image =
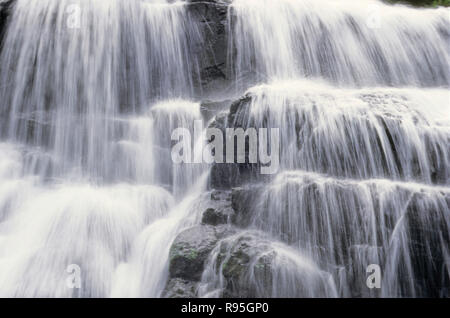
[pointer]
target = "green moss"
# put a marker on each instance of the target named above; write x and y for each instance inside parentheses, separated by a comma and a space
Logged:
(232, 269)
(174, 252)
(423, 3)
(193, 254)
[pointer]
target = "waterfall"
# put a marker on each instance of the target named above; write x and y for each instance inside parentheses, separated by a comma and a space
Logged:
(320, 214)
(91, 91)
(289, 274)
(363, 133)
(347, 42)
(86, 117)
(364, 180)
(71, 82)
(364, 166)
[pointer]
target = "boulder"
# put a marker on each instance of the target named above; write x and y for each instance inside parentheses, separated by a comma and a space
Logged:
(180, 288)
(220, 210)
(211, 108)
(228, 175)
(191, 248)
(252, 265)
(247, 256)
(242, 201)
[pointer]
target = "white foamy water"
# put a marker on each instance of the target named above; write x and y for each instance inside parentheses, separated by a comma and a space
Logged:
(345, 225)
(364, 173)
(91, 91)
(291, 274)
(85, 169)
(364, 178)
(348, 42)
(365, 133)
(65, 82)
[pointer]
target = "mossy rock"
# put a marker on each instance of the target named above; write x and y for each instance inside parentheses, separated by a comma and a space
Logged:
(190, 250)
(180, 288)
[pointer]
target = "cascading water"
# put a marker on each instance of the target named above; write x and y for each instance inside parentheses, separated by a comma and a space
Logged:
(345, 225)
(289, 275)
(364, 171)
(91, 91)
(363, 133)
(88, 106)
(70, 82)
(348, 42)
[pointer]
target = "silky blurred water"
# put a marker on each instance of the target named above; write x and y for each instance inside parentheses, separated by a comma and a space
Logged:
(89, 102)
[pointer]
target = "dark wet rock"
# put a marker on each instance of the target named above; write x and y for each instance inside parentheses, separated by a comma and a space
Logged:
(418, 3)
(212, 53)
(224, 176)
(220, 210)
(429, 234)
(5, 10)
(248, 256)
(189, 251)
(224, 196)
(180, 288)
(251, 265)
(242, 201)
(239, 112)
(191, 248)
(210, 109)
(228, 175)
(214, 217)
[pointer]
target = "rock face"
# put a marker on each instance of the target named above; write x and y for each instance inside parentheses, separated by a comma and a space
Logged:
(217, 109)
(246, 254)
(231, 207)
(192, 247)
(428, 237)
(249, 265)
(180, 288)
(214, 71)
(242, 200)
(221, 210)
(5, 6)
(225, 211)
(229, 175)
(189, 251)
(188, 255)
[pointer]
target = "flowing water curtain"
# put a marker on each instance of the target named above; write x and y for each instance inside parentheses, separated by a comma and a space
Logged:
(90, 118)
(144, 152)
(45, 230)
(144, 272)
(341, 206)
(370, 133)
(347, 42)
(252, 264)
(346, 225)
(335, 208)
(64, 83)
(69, 103)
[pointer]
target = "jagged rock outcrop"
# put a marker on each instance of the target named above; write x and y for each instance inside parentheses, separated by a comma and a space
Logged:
(190, 250)
(212, 53)
(192, 247)
(225, 212)
(218, 109)
(229, 175)
(221, 210)
(180, 288)
(188, 255)
(250, 265)
(5, 7)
